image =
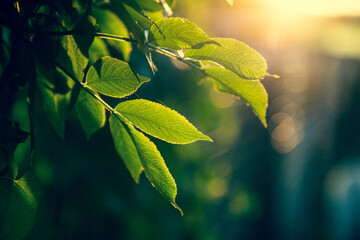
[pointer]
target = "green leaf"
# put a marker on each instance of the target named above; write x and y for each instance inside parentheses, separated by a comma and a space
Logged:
(125, 147)
(178, 33)
(55, 105)
(136, 31)
(113, 77)
(160, 121)
(72, 58)
(91, 113)
(132, 146)
(154, 167)
(233, 55)
(251, 91)
(19, 200)
(110, 23)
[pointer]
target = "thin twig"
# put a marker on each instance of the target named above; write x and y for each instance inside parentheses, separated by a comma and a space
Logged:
(174, 56)
(114, 37)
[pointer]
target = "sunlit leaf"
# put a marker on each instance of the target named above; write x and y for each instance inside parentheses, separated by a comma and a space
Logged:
(125, 147)
(233, 55)
(19, 200)
(71, 57)
(160, 121)
(90, 112)
(231, 2)
(154, 166)
(113, 77)
(177, 33)
(133, 146)
(251, 91)
(110, 23)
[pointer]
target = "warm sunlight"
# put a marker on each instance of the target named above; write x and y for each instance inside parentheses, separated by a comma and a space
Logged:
(316, 7)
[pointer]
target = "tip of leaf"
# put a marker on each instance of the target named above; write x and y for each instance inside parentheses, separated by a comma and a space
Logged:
(207, 138)
(137, 177)
(177, 207)
(272, 75)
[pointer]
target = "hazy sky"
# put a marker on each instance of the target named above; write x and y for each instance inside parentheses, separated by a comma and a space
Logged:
(315, 7)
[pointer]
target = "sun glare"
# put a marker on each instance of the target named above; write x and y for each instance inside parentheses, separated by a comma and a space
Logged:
(316, 7)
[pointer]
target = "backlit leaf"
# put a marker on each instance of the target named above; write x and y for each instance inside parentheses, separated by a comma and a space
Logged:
(73, 55)
(72, 58)
(233, 55)
(113, 77)
(154, 166)
(91, 113)
(251, 91)
(160, 121)
(178, 33)
(125, 147)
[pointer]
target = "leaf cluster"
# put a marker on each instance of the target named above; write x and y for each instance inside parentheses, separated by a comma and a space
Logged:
(62, 54)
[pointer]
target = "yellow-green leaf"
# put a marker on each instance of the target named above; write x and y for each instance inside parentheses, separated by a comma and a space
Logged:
(160, 121)
(251, 91)
(113, 77)
(233, 55)
(125, 147)
(177, 33)
(154, 166)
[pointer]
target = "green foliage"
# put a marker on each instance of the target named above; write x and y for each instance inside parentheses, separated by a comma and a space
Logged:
(253, 92)
(233, 55)
(113, 77)
(159, 121)
(110, 23)
(60, 41)
(19, 199)
(91, 113)
(125, 147)
(177, 33)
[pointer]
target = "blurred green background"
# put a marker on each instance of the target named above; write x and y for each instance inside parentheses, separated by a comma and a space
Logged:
(297, 179)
